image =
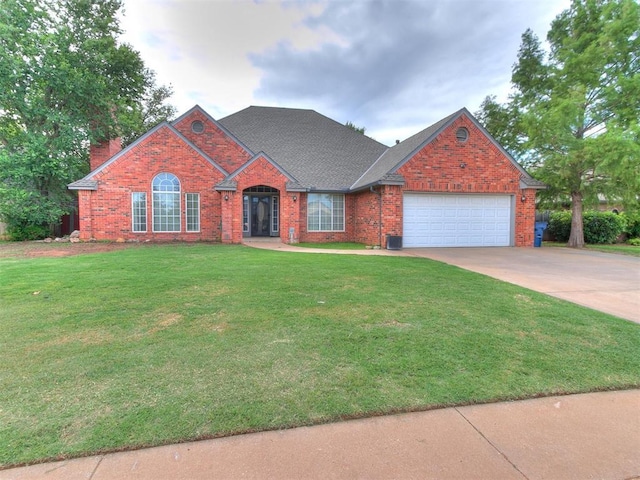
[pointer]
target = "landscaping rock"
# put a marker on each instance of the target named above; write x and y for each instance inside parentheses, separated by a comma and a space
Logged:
(75, 234)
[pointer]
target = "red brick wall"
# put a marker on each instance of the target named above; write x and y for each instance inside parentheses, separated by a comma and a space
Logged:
(367, 217)
(105, 214)
(101, 152)
(214, 142)
(475, 166)
(260, 172)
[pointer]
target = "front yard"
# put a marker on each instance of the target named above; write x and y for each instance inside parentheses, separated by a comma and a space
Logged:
(156, 344)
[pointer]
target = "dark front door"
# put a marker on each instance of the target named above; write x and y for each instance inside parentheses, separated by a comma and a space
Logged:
(260, 216)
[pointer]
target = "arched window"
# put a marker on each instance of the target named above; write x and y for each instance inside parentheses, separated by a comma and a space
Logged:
(166, 203)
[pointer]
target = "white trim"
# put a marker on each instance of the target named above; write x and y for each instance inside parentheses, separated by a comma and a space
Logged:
(133, 213)
(186, 212)
(320, 230)
(275, 214)
(153, 204)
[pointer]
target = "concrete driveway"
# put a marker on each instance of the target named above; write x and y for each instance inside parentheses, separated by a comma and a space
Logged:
(602, 281)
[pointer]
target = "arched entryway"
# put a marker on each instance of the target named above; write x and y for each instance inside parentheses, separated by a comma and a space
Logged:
(261, 212)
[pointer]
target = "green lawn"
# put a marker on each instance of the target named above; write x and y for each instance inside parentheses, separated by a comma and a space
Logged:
(334, 245)
(621, 248)
(163, 343)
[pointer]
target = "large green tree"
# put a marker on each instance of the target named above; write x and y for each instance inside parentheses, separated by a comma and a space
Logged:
(65, 82)
(573, 115)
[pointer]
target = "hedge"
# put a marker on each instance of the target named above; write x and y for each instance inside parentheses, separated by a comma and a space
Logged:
(599, 227)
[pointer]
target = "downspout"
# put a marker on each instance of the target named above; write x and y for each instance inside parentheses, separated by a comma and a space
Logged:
(379, 194)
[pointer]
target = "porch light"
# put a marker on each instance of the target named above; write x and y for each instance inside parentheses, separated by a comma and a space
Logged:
(463, 165)
(523, 198)
(295, 198)
(226, 197)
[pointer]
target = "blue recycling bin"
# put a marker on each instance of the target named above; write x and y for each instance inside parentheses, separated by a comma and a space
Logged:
(539, 232)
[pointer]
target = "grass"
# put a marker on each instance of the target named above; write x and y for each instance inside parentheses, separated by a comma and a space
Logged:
(620, 248)
(159, 344)
(334, 245)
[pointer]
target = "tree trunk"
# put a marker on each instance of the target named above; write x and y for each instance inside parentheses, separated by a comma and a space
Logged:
(576, 238)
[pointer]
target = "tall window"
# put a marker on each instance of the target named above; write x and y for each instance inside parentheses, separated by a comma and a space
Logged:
(325, 212)
(139, 211)
(166, 203)
(275, 218)
(192, 201)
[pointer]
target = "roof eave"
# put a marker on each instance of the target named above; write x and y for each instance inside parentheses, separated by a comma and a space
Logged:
(83, 185)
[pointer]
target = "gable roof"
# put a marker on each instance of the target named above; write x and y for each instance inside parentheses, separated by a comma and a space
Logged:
(229, 183)
(88, 183)
(389, 162)
(384, 170)
(314, 152)
(320, 153)
(199, 109)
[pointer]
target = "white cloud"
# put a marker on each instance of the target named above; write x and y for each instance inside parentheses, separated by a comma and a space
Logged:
(392, 66)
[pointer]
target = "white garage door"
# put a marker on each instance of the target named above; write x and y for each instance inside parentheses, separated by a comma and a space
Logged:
(432, 220)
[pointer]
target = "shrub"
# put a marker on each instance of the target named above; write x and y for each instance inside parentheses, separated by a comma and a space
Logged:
(634, 241)
(599, 227)
(602, 227)
(20, 233)
(560, 225)
(632, 229)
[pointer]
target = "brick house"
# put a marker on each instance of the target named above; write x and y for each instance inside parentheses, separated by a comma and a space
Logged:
(300, 176)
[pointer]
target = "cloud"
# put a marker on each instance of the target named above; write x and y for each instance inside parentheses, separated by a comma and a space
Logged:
(399, 62)
(392, 66)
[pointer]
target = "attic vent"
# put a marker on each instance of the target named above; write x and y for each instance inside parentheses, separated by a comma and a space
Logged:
(197, 126)
(462, 134)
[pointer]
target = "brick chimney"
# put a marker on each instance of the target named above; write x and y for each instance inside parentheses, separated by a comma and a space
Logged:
(103, 151)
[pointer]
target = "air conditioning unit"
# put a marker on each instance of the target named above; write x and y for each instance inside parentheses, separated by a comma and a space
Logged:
(394, 242)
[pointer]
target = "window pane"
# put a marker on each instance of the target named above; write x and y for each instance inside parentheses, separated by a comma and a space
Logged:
(166, 182)
(325, 212)
(338, 212)
(193, 212)
(166, 203)
(313, 212)
(139, 211)
(275, 211)
(245, 213)
(166, 212)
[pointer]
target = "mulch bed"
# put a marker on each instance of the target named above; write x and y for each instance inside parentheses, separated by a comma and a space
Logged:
(57, 249)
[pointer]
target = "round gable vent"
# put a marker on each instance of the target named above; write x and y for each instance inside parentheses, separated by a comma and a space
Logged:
(197, 126)
(462, 134)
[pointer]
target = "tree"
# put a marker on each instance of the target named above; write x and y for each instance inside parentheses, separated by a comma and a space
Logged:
(573, 114)
(354, 128)
(65, 82)
(149, 112)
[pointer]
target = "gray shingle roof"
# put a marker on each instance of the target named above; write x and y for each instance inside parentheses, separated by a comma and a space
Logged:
(314, 151)
(389, 162)
(317, 151)
(83, 184)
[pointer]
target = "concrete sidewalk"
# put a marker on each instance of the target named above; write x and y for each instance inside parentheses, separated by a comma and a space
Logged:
(588, 436)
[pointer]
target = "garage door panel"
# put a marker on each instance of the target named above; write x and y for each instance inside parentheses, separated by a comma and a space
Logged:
(434, 220)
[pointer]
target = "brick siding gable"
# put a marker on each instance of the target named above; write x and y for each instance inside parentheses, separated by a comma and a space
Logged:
(214, 140)
(445, 164)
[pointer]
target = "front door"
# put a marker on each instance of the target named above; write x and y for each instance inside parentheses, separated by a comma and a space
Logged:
(260, 216)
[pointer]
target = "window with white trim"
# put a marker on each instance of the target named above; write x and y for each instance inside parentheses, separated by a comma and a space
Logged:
(192, 201)
(325, 212)
(275, 214)
(139, 211)
(166, 203)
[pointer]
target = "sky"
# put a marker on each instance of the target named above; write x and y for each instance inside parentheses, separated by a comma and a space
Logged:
(392, 66)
